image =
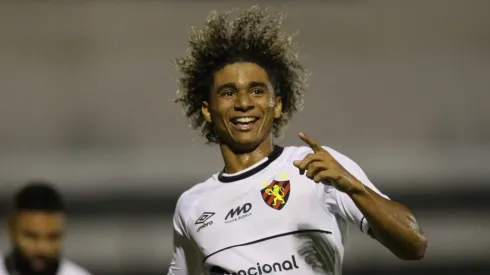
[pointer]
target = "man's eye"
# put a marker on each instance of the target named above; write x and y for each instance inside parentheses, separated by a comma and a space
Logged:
(227, 92)
(257, 91)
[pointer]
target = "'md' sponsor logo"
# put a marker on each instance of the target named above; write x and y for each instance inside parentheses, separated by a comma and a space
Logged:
(259, 269)
(238, 213)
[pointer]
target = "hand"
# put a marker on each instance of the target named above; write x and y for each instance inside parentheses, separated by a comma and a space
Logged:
(320, 166)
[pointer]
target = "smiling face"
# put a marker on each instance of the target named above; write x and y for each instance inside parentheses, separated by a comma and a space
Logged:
(242, 105)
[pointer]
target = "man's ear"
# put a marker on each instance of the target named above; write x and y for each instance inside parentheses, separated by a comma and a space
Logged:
(205, 111)
(278, 107)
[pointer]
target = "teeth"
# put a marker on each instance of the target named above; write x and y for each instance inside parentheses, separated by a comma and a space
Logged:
(244, 119)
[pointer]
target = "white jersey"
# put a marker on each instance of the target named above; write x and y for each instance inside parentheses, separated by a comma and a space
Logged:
(267, 219)
(66, 268)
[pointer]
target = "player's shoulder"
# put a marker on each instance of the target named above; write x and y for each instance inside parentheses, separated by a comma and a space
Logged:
(70, 268)
(192, 195)
(189, 201)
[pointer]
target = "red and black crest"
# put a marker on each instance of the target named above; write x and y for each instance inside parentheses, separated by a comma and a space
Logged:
(276, 194)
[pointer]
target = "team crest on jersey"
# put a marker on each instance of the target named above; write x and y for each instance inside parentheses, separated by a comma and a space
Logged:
(276, 194)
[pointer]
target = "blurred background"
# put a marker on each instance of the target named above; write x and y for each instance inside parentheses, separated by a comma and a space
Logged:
(401, 87)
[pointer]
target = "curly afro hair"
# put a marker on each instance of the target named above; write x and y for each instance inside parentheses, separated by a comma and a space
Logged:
(252, 36)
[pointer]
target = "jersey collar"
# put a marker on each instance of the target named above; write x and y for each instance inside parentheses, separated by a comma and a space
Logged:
(276, 152)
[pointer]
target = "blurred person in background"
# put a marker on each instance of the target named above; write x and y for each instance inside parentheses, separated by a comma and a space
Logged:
(36, 227)
(272, 209)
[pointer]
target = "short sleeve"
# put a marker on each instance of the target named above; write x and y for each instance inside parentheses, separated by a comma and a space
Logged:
(186, 258)
(340, 202)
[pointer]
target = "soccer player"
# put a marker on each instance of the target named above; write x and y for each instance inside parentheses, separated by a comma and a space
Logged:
(271, 209)
(36, 227)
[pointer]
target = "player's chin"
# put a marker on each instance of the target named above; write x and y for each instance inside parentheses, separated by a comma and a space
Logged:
(245, 141)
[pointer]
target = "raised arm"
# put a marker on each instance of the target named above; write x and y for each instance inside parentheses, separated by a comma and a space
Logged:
(389, 222)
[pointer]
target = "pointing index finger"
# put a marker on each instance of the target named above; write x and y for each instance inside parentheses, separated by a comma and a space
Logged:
(311, 142)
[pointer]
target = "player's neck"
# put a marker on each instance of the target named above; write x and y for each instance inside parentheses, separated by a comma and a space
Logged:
(236, 162)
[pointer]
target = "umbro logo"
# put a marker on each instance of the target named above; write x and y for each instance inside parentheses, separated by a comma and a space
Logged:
(203, 220)
(204, 217)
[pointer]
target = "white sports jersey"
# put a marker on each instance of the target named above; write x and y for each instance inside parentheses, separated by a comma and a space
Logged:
(267, 219)
(66, 268)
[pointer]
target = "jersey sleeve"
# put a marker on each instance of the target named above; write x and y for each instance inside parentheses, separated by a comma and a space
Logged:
(340, 202)
(186, 256)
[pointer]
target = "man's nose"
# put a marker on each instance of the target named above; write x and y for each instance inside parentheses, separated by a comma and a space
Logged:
(244, 102)
(43, 247)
